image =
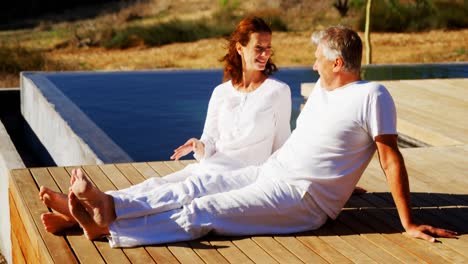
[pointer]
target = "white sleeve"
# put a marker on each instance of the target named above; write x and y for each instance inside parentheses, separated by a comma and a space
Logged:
(282, 117)
(210, 131)
(382, 114)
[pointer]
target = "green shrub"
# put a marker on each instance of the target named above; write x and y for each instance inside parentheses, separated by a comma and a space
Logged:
(273, 18)
(394, 16)
(221, 24)
(165, 33)
(16, 59)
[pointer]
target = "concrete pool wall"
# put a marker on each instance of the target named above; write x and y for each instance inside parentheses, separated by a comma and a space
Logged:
(61, 126)
(9, 159)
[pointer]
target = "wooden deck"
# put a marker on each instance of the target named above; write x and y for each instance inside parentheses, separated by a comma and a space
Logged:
(367, 231)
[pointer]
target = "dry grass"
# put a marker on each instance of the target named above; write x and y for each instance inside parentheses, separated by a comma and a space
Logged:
(291, 48)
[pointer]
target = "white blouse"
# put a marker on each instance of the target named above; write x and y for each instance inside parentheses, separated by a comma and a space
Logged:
(243, 129)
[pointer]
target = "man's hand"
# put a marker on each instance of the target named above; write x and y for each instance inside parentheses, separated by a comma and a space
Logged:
(429, 233)
(192, 144)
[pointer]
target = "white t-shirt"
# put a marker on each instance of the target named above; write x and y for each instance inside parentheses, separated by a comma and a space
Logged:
(243, 129)
(334, 141)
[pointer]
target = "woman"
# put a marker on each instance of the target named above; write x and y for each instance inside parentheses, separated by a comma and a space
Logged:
(247, 120)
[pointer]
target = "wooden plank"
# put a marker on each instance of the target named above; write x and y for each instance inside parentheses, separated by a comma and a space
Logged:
(161, 168)
(415, 104)
(353, 238)
(322, 248)
(145, 170)
(252, 250)
(207, 252)
(115, 176)
(30, 208)
(17, 254)
(347, 223)
(174, 165)
(130, 173)
(275, 249)
(348, 250)
(99, 178)
(188, 162)
(138, 255)
(111, 255)
(161, 254)
(77, 243)
(440, 252)
(229, 251)
(299, 250)
(444, 219)
(25, 251)
(61, 178)
(184, 253)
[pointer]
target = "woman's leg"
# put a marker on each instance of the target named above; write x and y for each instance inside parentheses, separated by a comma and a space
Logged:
(174, 195)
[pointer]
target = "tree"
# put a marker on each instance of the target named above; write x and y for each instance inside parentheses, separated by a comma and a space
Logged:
(367, 33)
(342, 7)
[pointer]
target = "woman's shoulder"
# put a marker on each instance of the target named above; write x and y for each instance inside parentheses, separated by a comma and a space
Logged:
(278, 86)
(277, 83)
(223, 88)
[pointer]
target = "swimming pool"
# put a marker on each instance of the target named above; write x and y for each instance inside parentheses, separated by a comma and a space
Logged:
(144, 115)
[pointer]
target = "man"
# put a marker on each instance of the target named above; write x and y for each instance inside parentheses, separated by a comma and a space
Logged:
(308, 180)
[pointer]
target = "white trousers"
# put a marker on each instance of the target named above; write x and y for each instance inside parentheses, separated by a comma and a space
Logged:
(243, 202)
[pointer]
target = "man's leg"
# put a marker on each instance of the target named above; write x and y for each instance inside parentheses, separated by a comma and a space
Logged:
(99, 205)
(91, 230)
(265, 207)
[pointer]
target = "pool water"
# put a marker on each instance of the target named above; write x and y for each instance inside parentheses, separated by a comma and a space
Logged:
(150, 113)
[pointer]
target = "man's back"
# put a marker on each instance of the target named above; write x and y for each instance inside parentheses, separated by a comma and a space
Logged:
(334, 140)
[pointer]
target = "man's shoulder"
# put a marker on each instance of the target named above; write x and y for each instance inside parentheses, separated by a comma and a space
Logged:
(371, 87)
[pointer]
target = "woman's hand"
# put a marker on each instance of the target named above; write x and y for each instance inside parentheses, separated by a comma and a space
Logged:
(192, 144)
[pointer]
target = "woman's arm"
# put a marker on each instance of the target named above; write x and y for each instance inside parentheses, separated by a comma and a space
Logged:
(282, 118)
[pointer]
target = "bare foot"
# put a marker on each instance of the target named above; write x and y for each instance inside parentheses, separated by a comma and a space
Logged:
(56, 222)
(55, 200)
(91, 230)
(359, 190)
(100, 206)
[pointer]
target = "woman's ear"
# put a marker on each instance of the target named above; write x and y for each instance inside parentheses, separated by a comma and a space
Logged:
(239, 48)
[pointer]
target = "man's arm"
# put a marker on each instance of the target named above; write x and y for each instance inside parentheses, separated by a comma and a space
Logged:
(394, 168)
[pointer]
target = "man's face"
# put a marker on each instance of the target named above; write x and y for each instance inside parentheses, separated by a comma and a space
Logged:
(323, 66)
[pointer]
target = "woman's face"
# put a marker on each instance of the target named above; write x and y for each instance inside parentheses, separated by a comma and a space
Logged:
(256, 53)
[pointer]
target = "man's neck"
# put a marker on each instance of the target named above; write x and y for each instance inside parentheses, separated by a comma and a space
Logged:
(341, 79)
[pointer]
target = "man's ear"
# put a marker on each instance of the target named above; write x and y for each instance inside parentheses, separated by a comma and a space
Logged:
(338, 64)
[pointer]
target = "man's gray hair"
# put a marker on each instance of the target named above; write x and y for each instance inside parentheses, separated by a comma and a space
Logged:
(327, 52)
(339, 41)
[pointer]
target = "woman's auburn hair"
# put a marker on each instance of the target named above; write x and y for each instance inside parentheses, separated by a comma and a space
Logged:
(232, 60)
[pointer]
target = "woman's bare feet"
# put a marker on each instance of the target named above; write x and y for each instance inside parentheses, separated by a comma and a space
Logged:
(56, 222)
(91, 230)
(100, 206)
(55, 200)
